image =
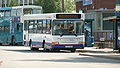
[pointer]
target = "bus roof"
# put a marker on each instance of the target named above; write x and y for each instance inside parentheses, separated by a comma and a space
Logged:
(37, 16)
(46, 16)
(27, 6)
(16, 7)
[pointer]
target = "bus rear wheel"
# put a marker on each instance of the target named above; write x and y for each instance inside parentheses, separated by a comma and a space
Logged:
(0, 43)
(34, 49)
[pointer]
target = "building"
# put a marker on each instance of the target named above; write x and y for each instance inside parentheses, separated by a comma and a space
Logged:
(103, 13)
(94, 4)
(6, 3)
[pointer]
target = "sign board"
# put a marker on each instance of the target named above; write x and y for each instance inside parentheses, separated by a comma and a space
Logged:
(68, 16)
(102, 39)
(87, 2)
(117, 7)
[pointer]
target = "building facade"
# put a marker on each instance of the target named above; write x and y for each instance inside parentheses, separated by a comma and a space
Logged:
(6, 3)
(87, 5)
(103, 12)
(99, 10)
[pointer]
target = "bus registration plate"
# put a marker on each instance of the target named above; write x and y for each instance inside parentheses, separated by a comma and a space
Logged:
(68, 46)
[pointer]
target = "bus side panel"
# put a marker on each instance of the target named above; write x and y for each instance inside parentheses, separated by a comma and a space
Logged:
(37, 40)
(4, 38)
(48, 41)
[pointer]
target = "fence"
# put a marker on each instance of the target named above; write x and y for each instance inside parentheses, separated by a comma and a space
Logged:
(104, 39)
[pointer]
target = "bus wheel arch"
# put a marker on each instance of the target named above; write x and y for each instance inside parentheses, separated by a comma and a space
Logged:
(43, 44)
(73, 50)
(31, 47)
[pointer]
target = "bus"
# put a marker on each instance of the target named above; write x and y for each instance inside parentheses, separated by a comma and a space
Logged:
(11, 27)
(54, 31)
(11, 31)
(21, 10)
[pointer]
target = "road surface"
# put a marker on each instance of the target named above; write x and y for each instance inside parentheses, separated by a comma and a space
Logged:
(22, 57)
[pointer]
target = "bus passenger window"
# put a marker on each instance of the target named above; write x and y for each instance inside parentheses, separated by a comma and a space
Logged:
(48, 31)
(26, 25)
(18, 27)
(44, 26)
(13, 12)
(19, 12)
(39, 26)
(7, 13)
(31, 27)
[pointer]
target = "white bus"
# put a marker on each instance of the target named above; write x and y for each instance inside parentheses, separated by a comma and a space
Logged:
(55, 31)
(20, 10)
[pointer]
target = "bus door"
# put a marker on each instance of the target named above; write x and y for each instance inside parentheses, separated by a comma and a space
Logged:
(25, 33)
(89, 40)
(19, 33)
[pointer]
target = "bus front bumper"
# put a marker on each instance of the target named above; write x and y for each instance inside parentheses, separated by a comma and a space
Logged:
(71, 46)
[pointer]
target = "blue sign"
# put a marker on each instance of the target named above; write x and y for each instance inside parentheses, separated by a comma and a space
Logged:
(87, 2)
(117, 11)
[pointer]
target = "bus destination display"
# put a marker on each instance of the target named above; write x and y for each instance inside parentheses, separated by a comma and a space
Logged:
(68, 16)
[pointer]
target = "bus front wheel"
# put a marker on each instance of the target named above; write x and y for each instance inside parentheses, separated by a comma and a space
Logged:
(73, 50)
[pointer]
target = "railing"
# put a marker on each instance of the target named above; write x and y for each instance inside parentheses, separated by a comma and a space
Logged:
(104, 39)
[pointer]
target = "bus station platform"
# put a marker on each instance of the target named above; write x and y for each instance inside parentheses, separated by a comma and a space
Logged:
(101, 53)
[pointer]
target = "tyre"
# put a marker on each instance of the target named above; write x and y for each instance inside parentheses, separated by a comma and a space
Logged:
(46, 50)
(34, 49)
(0, 43)
(73, 50)
(119, 50)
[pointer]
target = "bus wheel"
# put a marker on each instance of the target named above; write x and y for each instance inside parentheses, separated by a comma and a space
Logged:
(34, 49)
(119, 50)
(73, 50)
(46, 50)
(0, 43)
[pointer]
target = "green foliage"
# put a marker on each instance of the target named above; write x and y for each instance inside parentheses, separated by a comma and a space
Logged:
(48, 6)
(69, 6)
(51, 6)
(13, 3)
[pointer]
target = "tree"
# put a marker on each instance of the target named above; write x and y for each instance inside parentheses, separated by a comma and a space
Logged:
(49, 6)
(69, 6)
(13, 3)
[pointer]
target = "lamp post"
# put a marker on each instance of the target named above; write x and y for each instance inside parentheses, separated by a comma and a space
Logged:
(63, 6)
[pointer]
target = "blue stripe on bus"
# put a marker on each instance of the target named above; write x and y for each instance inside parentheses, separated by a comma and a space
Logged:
(81, 46)
(5, 9)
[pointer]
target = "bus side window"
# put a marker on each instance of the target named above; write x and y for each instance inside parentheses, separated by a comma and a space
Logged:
(44, 26)
(39, 26)
(18, 27)
(48, 31)
(31, 26)
(26, 25)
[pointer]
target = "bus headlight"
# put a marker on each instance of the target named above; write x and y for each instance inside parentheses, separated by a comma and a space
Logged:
(54, 43)
(81, 42)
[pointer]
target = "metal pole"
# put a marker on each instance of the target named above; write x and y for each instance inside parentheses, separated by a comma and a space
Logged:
(63, 6)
